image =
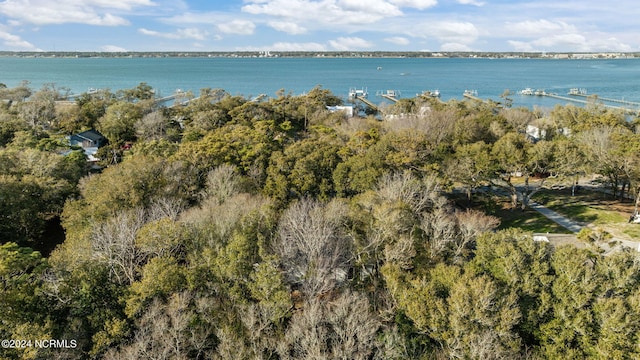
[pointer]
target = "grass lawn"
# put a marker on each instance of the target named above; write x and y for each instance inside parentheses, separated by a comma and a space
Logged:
(592, 208)
(588, 207)
(500, 207)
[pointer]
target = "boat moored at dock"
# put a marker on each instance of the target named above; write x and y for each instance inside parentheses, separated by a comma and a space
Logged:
(578, 91)
(358, 93)
(527, 91)
(430, 93)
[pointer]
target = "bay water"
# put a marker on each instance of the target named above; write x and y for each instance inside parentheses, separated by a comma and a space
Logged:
(608, 78)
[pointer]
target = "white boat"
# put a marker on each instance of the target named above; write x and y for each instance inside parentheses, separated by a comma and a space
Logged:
(527, 91)
(430, 93)
(358, 93)
(576, 91)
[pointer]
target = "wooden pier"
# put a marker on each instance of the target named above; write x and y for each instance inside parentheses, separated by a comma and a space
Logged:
(389, 95)
(178, 93)
(619, 101)
(624, 109)
(472, 94)
(367, 102)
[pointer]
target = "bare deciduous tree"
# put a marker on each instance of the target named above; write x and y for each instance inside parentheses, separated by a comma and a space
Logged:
(113, 242)
(261, 331)
(219, 220)
(307, 334)
(437, 125)
(401, 252)
(165, 207)
(222, 183)
(440, 227)
(230, 346)
(518, 118)
(353, 327)
(167, 331)
(151, 126)
(470, 225)
(418, 194)
(343, 328)
(312, 246)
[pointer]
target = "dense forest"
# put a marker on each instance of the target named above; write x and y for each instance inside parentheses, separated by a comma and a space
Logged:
(224, 227)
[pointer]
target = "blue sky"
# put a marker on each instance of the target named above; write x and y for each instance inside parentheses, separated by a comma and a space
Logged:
(320, 25)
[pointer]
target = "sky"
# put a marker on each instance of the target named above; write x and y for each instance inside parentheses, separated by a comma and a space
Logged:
(320, 25)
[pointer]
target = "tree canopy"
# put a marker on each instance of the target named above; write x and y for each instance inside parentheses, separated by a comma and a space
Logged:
(273, 228)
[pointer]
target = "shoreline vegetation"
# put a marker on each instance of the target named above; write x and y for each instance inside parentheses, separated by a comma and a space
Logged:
(230, 227)
(328, 54)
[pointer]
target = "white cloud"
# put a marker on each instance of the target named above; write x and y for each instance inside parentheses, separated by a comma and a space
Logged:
(192, 33)
(572, 42)
(109, 4)
(188, 33)
(398, 40)
(239, 27)
(15, 42)
(610, 44)
(416, 4)
(569, 41)
(533, 28)
(92, 12)
(447, 32)
(282, 8)
(287, 27)
(375, 7)
(471, 2)
(462, 32)
(287, 46)
(198, 18)
(324, 13)
(521, 45)
(455, 47)
(113, 48)
(350, 43)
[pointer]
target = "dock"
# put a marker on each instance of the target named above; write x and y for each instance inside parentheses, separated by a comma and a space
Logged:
(391, 95)
(73, 97)
(177, 94)
(362, 94)
(367, 102)
(619, 101)
(472, 94)
(583, 93)
(565, 98)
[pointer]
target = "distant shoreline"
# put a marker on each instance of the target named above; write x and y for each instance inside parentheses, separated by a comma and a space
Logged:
(314, 54)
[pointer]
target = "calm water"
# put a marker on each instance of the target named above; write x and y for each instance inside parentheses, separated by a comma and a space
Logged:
(252, 76)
